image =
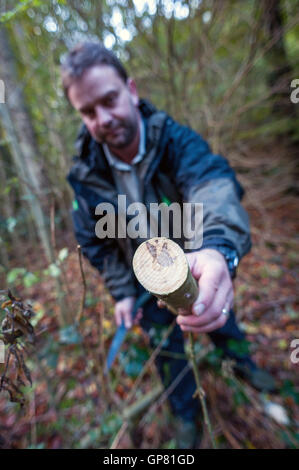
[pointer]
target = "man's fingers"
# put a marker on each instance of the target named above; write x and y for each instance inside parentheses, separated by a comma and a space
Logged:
(127, 318)
(206, 324)
(122, 311)
(118, 317)
(223, 299)
(229, 301)
(208, 284)
(214, 325)
(138, 316)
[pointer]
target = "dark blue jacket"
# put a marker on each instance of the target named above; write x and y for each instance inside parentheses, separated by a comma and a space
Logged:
(182, 168)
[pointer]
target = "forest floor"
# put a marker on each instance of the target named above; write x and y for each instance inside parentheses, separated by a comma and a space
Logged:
(73, 405)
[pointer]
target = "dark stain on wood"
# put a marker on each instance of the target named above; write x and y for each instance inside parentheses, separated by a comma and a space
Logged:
(163, 258)
(152, 249)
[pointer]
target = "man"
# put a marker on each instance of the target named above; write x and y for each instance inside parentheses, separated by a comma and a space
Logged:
(128, 147)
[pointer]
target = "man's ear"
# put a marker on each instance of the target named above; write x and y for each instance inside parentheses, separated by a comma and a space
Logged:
(133, 90)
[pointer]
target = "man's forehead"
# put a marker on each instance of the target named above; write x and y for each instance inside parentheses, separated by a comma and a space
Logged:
(96, 82)
(102, 74)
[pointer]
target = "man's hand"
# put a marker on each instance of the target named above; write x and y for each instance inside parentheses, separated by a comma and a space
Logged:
(209, 268)
(123, 312)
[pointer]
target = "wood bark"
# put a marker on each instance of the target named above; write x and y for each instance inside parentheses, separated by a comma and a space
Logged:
(17, 124)
(281, 74)
(8, 212)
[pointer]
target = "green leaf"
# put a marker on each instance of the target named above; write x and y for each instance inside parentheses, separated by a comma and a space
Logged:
(67, 403)
(14, 274)
(283, 344)
(75, 205)
(91, 301)
(288, 390)
(30, 279)
(285, 436)
(70, 335)
(133, 368)
(40, 445)
(53, 270)
(90, 439)
(169, 444)
(52, 360)
(22, 6)
(240, 398)
(240, 348)
(111, 423)
(11, 222)
(63, 254)
(213, 358)
(133, 361)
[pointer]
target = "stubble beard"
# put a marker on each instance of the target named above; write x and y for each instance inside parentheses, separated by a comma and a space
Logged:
(129, 129)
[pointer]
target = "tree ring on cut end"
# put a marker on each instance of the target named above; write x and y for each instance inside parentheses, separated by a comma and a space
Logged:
(160, 266)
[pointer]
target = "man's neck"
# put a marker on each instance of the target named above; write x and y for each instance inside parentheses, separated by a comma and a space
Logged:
(128, 153)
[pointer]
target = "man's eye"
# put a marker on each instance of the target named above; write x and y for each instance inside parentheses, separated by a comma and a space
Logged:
(110, 99)
(88, 113)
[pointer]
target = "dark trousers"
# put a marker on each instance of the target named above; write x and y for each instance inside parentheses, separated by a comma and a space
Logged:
(155, 321)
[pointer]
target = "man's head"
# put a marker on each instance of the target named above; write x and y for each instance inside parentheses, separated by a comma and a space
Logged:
(97, 85)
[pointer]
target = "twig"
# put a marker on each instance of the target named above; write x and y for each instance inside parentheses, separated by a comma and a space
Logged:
(274, 303)
(81, 307)
(137, 407)
(174, 384)
(32, 421)
(157, 403)
(102, 357)
(97, 364)
(62, 277)
(54, 246)
(151, 360)
(247, 66)
(52, 225)
(119, 435)
(233, 442)
(200, 392)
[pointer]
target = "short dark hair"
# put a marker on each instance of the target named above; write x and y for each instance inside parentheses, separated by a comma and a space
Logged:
(84, 56)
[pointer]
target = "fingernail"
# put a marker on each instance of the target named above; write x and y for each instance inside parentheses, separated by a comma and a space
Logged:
(199, 309)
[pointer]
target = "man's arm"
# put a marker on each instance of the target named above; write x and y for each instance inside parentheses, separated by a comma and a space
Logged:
(206, 178)
(103, 254)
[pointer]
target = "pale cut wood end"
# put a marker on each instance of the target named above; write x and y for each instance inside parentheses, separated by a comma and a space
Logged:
(160, 265)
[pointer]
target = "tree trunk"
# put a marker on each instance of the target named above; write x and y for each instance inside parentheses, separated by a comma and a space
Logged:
(8, 212)
(281, 74)
(61, 161)
(17, 124)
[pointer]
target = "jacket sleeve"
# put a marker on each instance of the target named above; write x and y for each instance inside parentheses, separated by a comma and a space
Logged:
(205, 178)
(104, 254)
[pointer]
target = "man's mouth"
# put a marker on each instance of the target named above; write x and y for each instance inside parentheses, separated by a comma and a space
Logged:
(107, 135)
(114, 132)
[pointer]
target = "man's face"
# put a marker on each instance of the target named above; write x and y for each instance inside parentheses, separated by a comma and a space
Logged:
(108, 105)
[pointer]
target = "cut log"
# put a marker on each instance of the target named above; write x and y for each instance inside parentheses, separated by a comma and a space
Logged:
(161, 267)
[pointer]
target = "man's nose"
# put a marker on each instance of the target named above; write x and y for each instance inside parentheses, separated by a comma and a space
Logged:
(103, 116)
